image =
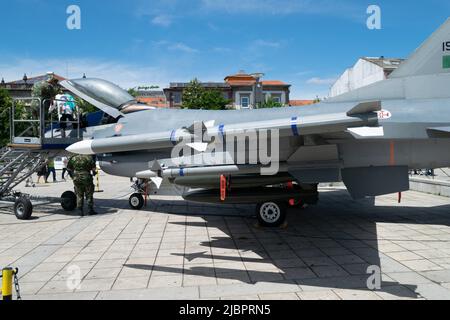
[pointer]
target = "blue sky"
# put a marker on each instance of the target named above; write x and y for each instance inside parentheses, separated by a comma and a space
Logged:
(306, 43)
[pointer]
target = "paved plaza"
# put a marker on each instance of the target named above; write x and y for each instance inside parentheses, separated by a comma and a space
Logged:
(178, 250)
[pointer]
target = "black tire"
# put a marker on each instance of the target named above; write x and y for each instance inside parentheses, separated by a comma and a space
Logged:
(136, 201)
(23, 209)
(69, 201)
(271, 213)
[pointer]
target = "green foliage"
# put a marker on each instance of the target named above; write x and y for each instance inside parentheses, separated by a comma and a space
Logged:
(5, 105)
(271, 103)
(133, 92)
(195, 96)
(5, 108)
(44, 90)
(84, 106)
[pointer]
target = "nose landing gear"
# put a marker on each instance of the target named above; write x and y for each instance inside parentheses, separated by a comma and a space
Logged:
(136, 201)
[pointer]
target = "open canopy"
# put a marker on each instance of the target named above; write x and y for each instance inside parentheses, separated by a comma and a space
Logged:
(105, 95)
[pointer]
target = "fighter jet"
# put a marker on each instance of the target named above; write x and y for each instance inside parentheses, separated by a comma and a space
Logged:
(368, 139)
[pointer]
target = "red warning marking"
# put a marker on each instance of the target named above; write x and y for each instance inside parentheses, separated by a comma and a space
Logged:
(223, 188)
(290, 186)
(384, 114)
(392, 154)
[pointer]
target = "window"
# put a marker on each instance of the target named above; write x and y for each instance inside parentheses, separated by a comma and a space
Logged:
(276, 99)
(245, 102)
(177, 97)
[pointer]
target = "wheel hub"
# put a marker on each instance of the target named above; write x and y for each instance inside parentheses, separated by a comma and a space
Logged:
(134, 201)
(270, 212)
(20, 209)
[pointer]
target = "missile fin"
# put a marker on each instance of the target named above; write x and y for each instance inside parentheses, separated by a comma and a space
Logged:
(198, 146)
(157, 181)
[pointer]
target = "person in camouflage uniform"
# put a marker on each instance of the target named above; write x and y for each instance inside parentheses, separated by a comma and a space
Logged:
(83, 168)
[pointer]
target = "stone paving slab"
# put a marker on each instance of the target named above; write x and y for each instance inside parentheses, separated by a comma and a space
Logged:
(176, 250)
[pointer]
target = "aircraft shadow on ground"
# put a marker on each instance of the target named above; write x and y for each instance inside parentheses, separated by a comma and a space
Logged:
(330, 245)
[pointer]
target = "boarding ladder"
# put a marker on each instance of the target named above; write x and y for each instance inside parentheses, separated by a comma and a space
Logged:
(16, 166)
(33, 140)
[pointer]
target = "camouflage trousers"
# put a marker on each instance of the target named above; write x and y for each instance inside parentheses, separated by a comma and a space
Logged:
(84, 190)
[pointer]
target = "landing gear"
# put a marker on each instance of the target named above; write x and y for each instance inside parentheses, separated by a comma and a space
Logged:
(23, 208)
(69, 201)
(136, 201)
(271, 214)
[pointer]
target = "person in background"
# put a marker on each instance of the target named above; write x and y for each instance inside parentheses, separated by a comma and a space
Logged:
(65, 162)
(66, 106)
(42, 172)
(51, 169)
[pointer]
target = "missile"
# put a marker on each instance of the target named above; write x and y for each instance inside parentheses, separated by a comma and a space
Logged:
(239, 181)
(207, 170)
(286, 127)
(251, 195)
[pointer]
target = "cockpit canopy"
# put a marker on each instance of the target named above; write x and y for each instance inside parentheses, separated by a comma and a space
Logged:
(103, 94)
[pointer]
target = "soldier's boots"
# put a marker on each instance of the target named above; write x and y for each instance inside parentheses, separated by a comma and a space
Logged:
(81, 210)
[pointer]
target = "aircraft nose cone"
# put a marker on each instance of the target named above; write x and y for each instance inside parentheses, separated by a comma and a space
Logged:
(82, 147)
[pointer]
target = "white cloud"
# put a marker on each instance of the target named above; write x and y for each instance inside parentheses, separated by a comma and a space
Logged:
(179, 46)
(222, 50)
(163, 20)
(321, 81)
(124, 75)
(265, 43)
(273, 7)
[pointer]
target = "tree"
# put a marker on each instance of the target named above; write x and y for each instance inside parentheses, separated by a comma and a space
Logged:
(44, 90)
(195, 96)
(133, 92)
(271, 103)
(5, 107)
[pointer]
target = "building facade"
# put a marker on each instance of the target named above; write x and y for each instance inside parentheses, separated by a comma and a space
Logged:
(245, 91)
(22, 88)
(365, 72)
(154, 98)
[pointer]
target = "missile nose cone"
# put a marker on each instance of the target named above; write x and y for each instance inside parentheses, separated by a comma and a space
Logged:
(82, 147)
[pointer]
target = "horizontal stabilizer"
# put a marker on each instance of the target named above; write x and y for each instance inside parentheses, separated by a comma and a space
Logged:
(365, 107)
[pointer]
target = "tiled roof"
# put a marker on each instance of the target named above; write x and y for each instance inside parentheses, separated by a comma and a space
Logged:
(300, 103)
(159, 102)
(241, 82)
(273, 83)
(33, 80)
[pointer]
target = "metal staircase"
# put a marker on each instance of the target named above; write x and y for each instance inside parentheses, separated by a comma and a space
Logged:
(17, 165)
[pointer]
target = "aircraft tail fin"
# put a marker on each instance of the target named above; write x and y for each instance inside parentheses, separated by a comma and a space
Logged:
(432, 57)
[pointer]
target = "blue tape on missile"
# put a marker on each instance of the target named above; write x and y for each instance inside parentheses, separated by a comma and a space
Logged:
(173, 138)
(294, 126)
(181, 172)
(221, 129)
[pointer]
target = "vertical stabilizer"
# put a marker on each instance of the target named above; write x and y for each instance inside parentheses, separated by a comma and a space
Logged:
(432, 57)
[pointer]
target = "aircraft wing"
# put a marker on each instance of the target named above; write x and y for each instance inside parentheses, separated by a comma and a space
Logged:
(361, 121)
